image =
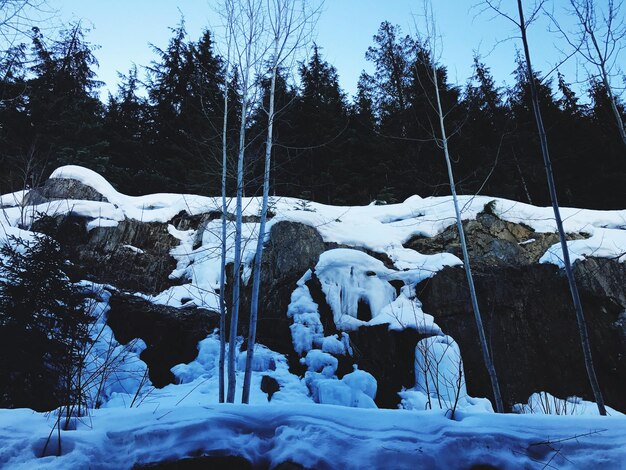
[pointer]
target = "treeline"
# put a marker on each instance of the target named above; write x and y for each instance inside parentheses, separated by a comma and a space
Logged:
(162, 130)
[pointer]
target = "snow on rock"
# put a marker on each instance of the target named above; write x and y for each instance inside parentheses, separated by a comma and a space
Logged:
(13, 199)
(362, 381)
(113, 374)
(306, 328)
(319, 361)
(351, 278)
(338, 392)
(357, 391)
(263, 359)
(440, 378)
(603, 243)
(332, 344)
(548, 404)
(198, 381)
(381, 229)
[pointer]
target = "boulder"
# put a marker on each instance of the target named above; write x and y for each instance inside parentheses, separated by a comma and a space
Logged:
(292, 249)
(171, 334)
(132, 255)
(63, 188)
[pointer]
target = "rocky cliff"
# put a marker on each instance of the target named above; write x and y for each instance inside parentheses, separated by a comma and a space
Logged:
(161, 272)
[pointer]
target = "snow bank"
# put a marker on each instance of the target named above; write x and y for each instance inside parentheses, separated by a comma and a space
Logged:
(315, 436)
(548, 404)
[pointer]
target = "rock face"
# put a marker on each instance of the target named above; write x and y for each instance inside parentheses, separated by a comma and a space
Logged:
(525, 305)
(133, 255)
(293, 248)
(171, 335)
(491, 241)
(533, 336)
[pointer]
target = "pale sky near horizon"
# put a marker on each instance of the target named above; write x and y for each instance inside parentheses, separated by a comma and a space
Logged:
(124, 28)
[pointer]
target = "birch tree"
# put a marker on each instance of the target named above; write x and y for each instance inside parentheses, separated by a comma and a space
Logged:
(522, 24)
(431, 43)
(290, 23)
(227, 13)
(246, 23)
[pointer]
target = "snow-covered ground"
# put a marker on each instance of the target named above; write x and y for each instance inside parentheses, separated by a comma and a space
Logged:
(317, 436)
(139, 424)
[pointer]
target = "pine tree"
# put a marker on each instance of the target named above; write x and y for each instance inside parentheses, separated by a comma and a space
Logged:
(319, 129)
(125, 127)
(43, 325)
(184, 90)
(64, 110)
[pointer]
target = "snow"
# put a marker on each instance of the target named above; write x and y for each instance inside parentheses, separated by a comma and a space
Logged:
(319, 361)
(13, 199)
(362, 381)
(548, 404)
(603, 243)
(382, 229)
(440, 379)
(349, 277)
(316, 436)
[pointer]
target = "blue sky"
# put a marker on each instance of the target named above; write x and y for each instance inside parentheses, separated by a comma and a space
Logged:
(124, 28)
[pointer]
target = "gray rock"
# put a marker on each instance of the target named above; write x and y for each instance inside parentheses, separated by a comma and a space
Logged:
(133, 255)
(531, 329)
(491, 241)
(63, 188)
(292, 249)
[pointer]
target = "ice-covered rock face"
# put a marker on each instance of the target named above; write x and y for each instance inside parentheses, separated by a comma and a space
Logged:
(349, 277)
(358, 290)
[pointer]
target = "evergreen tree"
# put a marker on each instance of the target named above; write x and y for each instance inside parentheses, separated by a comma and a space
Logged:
(125, 127)
(285, 102)
(393, 58)
(14, 122)
(64, 110)
(487, 163)
(184, 92)
(43, 325)
(318, 131)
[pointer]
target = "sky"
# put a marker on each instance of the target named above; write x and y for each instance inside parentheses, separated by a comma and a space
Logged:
(124, 29)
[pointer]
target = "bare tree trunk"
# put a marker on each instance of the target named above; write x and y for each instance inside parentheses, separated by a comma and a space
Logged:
(430, 45)
(256, 283)
(288, 20)
(466, 261)
(248, 27)
(580, 317)
(224, 247)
